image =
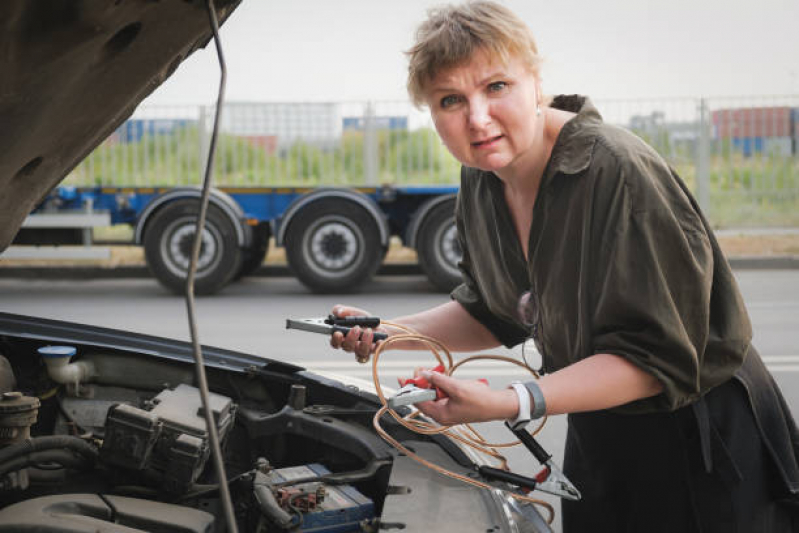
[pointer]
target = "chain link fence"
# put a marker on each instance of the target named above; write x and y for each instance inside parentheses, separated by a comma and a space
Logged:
(740, 156)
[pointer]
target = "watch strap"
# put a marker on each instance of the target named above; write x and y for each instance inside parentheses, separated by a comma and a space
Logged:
(539, 407)
(523, 416)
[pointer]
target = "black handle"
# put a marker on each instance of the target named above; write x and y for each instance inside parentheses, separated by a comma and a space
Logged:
(489, 472)
(531, 444)
(352, 321)
(376, 335)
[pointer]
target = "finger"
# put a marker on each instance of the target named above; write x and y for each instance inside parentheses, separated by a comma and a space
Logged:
(434, 409)
(351, 340)
(336, 339)
(338, 310)
(342, 311)
(361, 357)
(362, 349)
(446, 383)
(365, 344)
(367, 337)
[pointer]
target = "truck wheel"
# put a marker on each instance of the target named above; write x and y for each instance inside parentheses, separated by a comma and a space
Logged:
(332, 245)
(254, 255)
(168, 241)
(438, 248)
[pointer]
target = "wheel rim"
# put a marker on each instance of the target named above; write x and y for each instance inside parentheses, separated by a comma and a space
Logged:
(333, 246)
(448, 248)
(176, 248)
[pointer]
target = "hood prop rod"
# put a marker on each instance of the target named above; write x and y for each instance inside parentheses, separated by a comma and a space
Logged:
(202, 382)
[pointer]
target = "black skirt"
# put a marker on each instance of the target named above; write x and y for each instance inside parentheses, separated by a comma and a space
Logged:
(703, 468)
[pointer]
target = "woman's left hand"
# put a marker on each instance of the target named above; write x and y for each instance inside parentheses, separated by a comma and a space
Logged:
(467, 401)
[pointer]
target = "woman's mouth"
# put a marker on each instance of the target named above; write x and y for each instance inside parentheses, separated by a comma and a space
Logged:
(487, 142)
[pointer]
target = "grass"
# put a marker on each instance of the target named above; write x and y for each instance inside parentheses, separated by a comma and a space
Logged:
(760, 190)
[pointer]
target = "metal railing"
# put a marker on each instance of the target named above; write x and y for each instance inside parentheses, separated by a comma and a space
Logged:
(740, 156)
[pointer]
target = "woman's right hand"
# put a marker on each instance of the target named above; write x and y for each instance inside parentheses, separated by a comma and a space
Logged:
(358, 340)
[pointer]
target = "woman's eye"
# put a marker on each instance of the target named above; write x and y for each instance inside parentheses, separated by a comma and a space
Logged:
(497, 86)
(449, 100)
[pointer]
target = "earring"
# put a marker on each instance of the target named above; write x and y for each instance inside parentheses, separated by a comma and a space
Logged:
(538, 110)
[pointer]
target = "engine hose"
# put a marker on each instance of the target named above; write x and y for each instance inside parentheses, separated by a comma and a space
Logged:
(65, 458)
(53, 442)
(196, 490)
(268, 504)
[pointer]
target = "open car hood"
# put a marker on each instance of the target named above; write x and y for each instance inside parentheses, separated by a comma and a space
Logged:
(74, 70)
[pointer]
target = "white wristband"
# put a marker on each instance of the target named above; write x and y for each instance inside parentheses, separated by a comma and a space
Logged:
(523, 416)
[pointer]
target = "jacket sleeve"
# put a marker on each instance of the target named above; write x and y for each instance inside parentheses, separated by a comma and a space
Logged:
(652, 290)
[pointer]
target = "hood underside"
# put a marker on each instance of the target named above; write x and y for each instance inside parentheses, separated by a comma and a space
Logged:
(72, 72)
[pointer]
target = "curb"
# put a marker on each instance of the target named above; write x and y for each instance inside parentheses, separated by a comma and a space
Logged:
(140, 271)
(777, 262)
(784, 262)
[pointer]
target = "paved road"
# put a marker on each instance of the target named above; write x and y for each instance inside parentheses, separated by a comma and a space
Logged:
(250, 316)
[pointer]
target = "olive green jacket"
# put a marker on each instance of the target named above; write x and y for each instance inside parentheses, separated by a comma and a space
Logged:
(621, 261)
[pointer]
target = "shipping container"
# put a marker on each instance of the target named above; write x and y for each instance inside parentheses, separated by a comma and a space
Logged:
(753, 122)
(380, 123)
(134, 130)
(795, 120)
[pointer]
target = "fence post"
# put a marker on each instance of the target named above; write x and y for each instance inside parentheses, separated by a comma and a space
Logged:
(369, 145)
(205, 144)
(703, 160)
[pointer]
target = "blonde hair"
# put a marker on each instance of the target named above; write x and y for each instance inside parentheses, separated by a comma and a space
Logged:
(453, 33)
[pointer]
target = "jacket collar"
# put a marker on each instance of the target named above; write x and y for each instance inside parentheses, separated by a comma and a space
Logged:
(574, 146)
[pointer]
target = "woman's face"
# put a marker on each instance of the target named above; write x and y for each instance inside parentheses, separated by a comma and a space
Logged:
(485, 112)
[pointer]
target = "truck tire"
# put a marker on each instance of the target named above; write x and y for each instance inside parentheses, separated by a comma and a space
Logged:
(333, 245)
(254, 255)
(168, 241)
(438, 247)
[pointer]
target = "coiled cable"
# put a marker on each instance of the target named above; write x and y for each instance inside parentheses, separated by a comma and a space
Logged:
(411, 421)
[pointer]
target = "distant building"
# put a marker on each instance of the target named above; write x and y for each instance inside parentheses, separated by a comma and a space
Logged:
(758, 130)
(377, 123)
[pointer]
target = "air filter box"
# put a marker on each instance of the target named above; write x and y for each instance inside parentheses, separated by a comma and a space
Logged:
(169, 436)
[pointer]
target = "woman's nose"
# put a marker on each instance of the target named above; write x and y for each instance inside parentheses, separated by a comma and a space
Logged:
(479, 114)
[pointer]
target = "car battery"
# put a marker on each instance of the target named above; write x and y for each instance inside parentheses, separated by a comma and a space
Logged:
(342, 509)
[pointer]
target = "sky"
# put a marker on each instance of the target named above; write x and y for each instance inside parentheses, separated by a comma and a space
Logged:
(334, 50)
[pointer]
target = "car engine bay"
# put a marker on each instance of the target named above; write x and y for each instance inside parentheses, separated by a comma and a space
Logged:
(99, 437)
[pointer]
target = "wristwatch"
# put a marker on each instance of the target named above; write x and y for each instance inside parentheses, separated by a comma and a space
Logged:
(528, 393)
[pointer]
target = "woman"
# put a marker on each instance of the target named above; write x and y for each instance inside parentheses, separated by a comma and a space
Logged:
(579, 235)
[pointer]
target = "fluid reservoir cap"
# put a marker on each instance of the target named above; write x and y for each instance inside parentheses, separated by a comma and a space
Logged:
(57, 351)
(16, 402)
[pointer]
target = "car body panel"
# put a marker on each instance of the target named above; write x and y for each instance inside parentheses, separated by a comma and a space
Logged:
(72, 72)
